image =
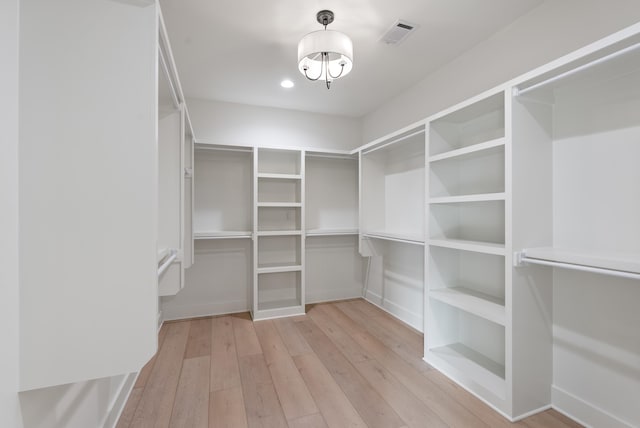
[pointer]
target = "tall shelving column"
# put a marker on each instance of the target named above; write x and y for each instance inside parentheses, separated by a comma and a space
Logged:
(279, 241)
(468, 239)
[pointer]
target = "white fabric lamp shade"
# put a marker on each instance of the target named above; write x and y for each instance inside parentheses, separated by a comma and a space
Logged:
(338, 47)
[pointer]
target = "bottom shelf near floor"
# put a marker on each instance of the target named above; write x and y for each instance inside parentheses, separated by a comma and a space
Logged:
(471, 365)
(278, 308)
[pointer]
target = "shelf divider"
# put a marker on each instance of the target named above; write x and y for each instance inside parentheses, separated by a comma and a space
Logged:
(475, 246)
(478, 304)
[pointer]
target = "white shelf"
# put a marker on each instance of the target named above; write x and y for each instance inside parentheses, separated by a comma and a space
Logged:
(625, 262)
(472, 364)
(279, 204)
(279, 267)
(479, 304)
(476, 246)
(331, 232)
(397, 237)
(280, 176)
(222, 234)
(280, 233)
(498, 142)
(482, 197)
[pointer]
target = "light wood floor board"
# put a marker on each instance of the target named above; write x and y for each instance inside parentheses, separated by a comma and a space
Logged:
(294, 396)
(311, 421)
(226, 409)
(245, 335)
(335, 406)
(199, 343)
(225, 373)
(372, 408)
(447, 409)
(344, 364)
(293, 340)
(191, 406)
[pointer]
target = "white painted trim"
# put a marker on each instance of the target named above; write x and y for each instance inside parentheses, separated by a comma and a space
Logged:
(323, 296)
(412, 319)
(531, 413)
(119, 401)
(182, 312)
(584, 412)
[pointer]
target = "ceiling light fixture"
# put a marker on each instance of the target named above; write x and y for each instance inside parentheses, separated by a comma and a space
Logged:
(325, 54)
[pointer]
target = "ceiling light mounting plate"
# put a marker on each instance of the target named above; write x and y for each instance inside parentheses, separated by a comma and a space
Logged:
(325, 17)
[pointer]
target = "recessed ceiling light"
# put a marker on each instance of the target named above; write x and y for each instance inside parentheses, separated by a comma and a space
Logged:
(286, 84)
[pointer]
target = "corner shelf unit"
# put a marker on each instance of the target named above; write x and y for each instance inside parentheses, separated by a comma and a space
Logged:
(468, 200)
(279, 240)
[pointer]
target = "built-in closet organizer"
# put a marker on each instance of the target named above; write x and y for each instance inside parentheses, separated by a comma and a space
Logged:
(576, 211)
(333, 264)
(262, 217)
(468, 322)
(392, 196)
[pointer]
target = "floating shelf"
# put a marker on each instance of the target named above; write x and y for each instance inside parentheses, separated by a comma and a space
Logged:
(476, 246)
(279, 267)
(279, 233)
(331, 232)
(476, 148)
(280, 176)
(279, 204)
(479, 304)
(483, 197)
(472, 364)
(397, 237)
(223, 234)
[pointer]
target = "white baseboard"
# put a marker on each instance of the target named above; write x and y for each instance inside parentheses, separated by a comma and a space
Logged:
(584, 412)
(174, 312)
(403, 314)
(333, 295)
(120, 400)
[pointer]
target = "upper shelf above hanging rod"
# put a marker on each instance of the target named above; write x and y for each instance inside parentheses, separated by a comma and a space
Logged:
(620, 265)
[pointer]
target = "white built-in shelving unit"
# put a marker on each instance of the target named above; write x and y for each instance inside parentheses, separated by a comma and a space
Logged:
(278, 227)
(467, 244)
(392, 222)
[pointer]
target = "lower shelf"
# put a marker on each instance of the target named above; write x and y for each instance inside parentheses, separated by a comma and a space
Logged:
(478, 304)
(472, 365)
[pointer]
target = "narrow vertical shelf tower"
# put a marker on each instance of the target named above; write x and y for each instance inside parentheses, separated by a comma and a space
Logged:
(278, 226)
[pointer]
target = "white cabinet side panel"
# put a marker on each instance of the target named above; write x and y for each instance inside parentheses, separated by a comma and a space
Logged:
(88, 205)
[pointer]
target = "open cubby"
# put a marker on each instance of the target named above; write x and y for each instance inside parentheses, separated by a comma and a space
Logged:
(278, 190)
(471, 174)
(279, 290)
(278, 251)
(469, 221)
(278, 161)
(469, 344)
(279, 218)
(477, 123)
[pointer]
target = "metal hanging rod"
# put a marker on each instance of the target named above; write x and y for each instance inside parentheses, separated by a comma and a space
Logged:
(580, 68)
(397, 140)
(173, 254)
(522, 258)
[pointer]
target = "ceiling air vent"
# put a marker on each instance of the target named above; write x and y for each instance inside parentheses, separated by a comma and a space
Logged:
(398, 32)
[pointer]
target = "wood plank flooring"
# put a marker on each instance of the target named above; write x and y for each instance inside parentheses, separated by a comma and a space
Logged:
(344, 364)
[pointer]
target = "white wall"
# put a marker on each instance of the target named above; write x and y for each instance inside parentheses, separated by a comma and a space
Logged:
(9, 407)
(218, 122)
(551, 30)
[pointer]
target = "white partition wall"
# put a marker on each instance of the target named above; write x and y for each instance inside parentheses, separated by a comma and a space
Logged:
(88, 190)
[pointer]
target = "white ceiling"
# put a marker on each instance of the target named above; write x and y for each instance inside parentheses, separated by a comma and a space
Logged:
(240, 50)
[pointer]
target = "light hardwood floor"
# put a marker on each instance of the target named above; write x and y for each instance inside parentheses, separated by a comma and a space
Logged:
(344, 364)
